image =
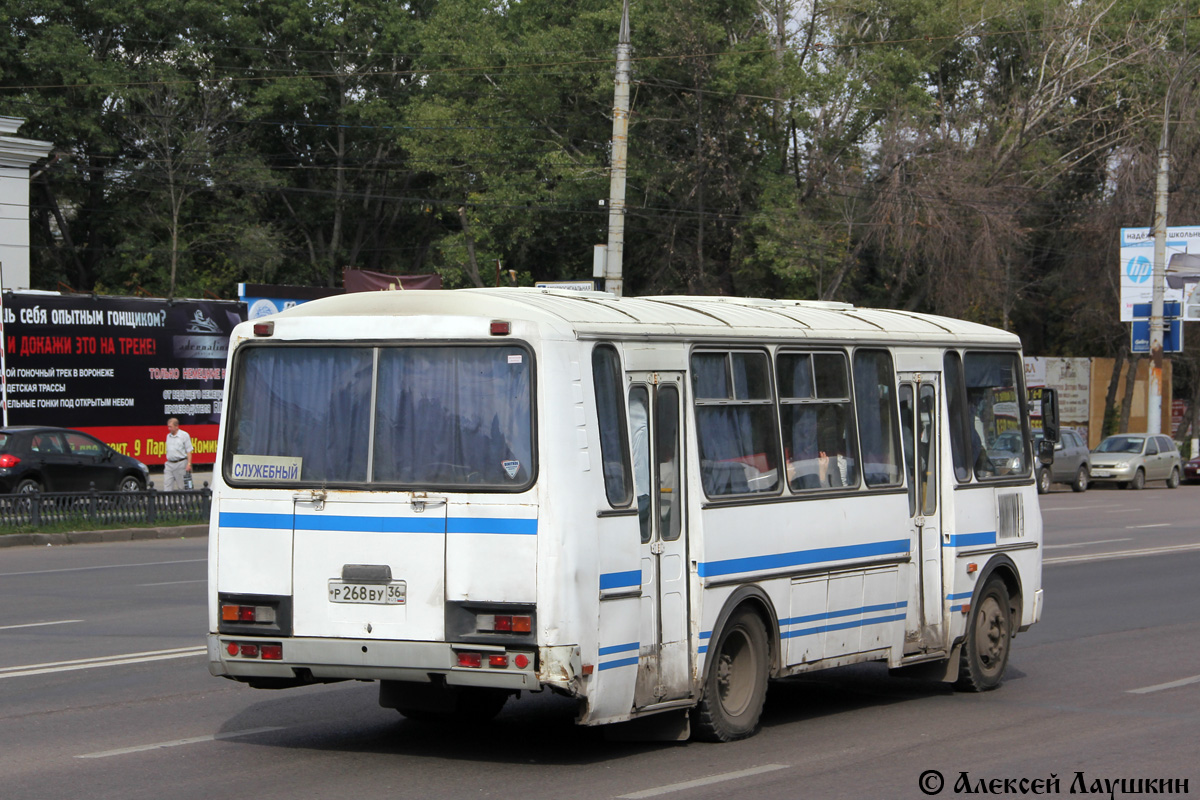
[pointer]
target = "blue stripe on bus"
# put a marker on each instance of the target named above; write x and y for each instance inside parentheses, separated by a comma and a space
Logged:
(624, 662)
(712, 569)
(959, 596)
(971, 539)
(336, 522)
(619, 648)
(234, 520)
(518, 527)
(858, 623)
(618, 580)
(846, 613)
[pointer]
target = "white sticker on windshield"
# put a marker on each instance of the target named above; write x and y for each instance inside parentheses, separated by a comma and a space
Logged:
(267, 468)
(511, 467)
(514, 359)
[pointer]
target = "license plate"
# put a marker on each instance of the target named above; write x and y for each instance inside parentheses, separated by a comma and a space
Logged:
(1100, 473)
(382, 594)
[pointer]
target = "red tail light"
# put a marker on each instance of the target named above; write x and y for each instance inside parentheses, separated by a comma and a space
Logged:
(249, 651)
(500, 660)
(8, 460)
(470, 659)
(272, 652)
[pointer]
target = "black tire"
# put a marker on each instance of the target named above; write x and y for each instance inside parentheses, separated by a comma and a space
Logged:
(735, 686)
(989, 640)
(1043, 480)
(27, 486)
(1139, 480)
(130, 483)
(1173, 481)
(1082, 477)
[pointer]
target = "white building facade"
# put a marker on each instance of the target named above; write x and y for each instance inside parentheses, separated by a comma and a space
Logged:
(17, 155)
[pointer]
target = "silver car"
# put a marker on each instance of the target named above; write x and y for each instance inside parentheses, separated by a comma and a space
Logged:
(1072, 462)
(1131, 459)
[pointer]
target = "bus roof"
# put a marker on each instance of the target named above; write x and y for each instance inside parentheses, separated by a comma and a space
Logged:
(598, 314)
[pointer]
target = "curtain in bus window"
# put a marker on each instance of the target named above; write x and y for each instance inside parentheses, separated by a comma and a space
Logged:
(454, 416)
(735, 423)
(311, 403)
(606, 379)
(874, 397)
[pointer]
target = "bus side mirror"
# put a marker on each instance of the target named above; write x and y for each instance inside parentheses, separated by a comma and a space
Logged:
(1050, 416)
(1045, 451)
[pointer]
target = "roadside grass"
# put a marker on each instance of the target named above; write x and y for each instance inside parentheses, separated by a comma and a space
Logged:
(81, 525)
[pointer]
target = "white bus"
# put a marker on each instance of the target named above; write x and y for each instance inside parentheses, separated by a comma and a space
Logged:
(652, 505)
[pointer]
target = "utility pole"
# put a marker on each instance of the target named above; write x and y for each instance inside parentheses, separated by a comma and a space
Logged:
(1159, 275)
(614, 253)
(1158, 278)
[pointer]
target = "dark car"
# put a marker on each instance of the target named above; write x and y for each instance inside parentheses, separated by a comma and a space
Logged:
(34, 459)
(1191, 470)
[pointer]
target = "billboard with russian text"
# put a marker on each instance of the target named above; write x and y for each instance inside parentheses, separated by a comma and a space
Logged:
(119, 367)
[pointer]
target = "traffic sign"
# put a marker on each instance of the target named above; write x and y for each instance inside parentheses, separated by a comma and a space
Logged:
(1172, 336)
(1171, 309)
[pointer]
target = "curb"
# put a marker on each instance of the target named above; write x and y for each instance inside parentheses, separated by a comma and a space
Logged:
(96, 537)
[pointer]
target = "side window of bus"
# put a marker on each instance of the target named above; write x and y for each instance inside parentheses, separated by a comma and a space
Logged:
(735, 423)
(956, 406)
(816, 419)
(878, 428)
(610, 418)
(996, 413)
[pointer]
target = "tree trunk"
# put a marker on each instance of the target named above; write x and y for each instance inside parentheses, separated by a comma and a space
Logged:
(1111, 398)
(472, 264)
(1130, 383)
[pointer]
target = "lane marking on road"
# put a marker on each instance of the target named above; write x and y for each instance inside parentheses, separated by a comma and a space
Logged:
(38, 624)
(198, 580)
(1155, 525)
(178, 742)
(103, 661)
(711, 779)
(101, 566)
(1076, 508)
(1159, 687)
(1085, 544)
(1150, 551)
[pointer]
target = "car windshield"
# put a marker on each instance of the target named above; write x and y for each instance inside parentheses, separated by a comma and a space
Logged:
(1009, 442)
(1122, 444)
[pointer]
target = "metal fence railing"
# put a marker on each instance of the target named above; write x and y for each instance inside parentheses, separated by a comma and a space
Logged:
(106, 508)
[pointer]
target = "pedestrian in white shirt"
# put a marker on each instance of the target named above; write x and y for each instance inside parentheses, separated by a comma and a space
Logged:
(179, 457)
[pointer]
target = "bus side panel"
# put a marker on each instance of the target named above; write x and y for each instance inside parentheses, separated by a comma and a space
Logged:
(491, 553)
(254, 543)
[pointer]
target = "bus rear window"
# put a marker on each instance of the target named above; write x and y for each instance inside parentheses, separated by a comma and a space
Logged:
(451, 417)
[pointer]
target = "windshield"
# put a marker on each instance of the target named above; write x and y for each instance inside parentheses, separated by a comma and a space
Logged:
(1009, 442)
(1122, 444)
(421, 417)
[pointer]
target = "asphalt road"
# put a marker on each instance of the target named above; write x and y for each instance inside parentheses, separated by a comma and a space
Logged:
(104, 693)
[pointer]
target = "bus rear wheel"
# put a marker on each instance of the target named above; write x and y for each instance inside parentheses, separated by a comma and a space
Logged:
(735, 687)
(989, 640)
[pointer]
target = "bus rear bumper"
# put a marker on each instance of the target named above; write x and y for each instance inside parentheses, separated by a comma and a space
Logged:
(312, 660)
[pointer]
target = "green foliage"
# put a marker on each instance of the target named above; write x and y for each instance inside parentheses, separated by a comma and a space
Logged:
(974, 158)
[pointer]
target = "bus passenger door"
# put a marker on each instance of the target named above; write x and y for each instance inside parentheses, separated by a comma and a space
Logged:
(655, 427)
(919, 415)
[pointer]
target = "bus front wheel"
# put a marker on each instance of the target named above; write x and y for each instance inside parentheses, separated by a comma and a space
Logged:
(735, 686)
(989, 639)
